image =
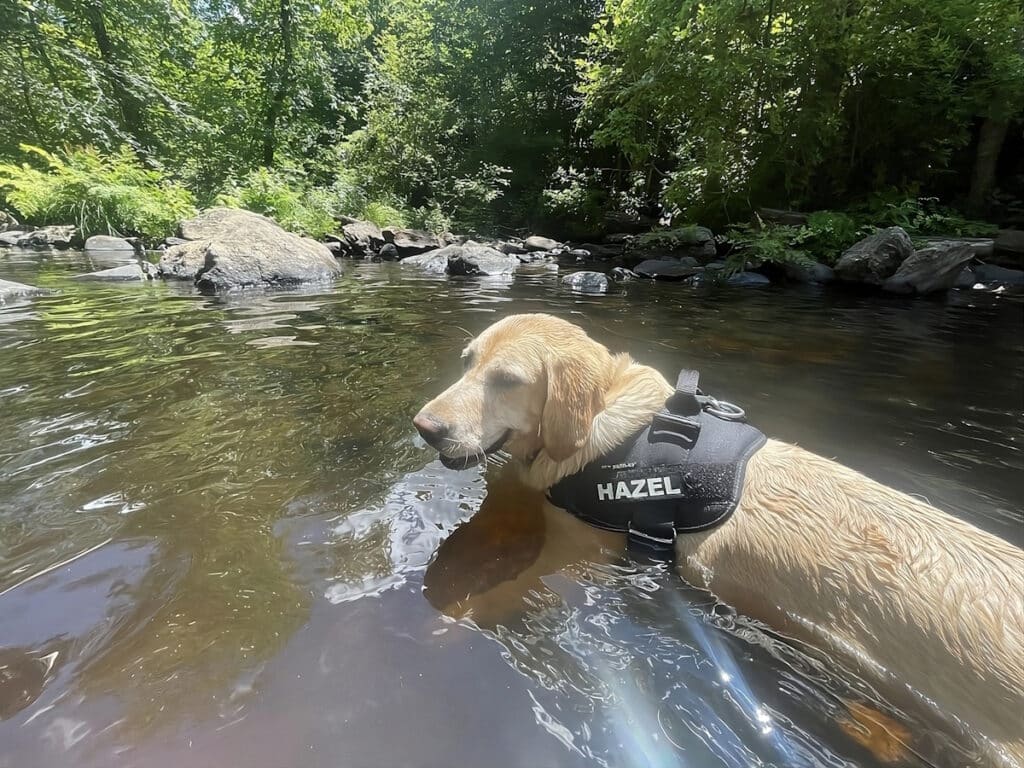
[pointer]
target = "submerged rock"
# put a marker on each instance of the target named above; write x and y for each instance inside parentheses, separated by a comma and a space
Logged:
(668, 269)
(587, 282)
(875, 258)
(11, 290)
(991, 274)
(108, 243)
(241, 249)
(388, 252)
(128, 273)
(931, 269)
(815, 273)
(747, 280)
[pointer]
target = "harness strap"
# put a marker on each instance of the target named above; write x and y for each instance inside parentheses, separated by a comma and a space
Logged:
(652, 532)
(685, 401)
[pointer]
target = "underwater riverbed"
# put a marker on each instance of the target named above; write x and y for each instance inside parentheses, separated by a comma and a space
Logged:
(216, 521)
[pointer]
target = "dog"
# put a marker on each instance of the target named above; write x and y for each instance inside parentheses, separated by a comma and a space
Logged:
(911, 594)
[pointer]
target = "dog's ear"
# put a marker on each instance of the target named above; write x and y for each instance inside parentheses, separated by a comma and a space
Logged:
(574, 398)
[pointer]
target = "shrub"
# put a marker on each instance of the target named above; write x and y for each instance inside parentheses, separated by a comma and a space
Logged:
(98, 192)
(774, 244)
(282, 195)
(828, 233)
(383, 214)
(925, 216)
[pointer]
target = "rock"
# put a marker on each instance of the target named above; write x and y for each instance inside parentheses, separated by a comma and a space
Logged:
(10, 290)
(621, 273)
(747, 280)
(580, 254)
(107, 243)
(60, 237)
(511, 248)
(875, 258)
(965, 279)
(601, 251)
(538, 243)
(981, 247)
(410, 242)
(336, 248)
(930, 269)
(1010, 241)
(11, 238)
(126, 273)
(619, 238)
(389, 252)
(480, 260)
(362, 238)
(815, 273)
(668, 269)
(469, 259)
(990, 274)
(245, 249)
(587, 282)
(435, 262)
(7, 222)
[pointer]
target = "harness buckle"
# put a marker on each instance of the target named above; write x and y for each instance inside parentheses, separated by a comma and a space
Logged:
(658, 545)
(683, 430)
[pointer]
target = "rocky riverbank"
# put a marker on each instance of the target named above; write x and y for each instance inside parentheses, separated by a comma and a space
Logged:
(227, 248)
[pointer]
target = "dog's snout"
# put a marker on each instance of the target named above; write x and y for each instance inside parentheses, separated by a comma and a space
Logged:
(430, 427)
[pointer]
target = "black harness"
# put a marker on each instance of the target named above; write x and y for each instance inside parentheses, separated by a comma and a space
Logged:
(681, 474)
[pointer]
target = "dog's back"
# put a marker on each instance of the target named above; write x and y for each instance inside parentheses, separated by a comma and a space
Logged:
(900, 585)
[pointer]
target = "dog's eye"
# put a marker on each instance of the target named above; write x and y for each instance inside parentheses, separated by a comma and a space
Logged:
(504, 379)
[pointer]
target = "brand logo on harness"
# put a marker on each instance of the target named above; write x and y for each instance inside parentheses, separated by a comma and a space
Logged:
(644, 488)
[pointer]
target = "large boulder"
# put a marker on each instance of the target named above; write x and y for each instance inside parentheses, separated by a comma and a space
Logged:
(668, 269)
(60, 237)
(511, 248)
(931, 269)
(10, 290)
(875, 258)
(981, 247)
(108, 243)
(7, 222)
(362, 238)
(538, 243)
(410, 242)
(239, 249)
(469, 259)
(586, 282)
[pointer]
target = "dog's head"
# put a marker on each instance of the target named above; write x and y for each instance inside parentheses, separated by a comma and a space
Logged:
(531, 383)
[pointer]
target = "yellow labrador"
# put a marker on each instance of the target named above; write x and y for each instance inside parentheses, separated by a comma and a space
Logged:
(911, 593)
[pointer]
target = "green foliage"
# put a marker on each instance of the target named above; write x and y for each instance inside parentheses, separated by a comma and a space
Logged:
(924, 216)
(776, 244)
(721, 106)
(671, 238)
(99, 192)
(284, 196)
(828, 233)
(383, 214)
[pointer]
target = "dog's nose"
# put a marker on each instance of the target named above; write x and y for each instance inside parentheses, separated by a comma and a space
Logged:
(431, 428)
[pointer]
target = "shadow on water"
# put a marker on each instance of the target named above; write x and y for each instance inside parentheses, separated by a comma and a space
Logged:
(221, 543)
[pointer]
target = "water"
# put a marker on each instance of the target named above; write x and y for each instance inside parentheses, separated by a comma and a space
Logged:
(216, 522)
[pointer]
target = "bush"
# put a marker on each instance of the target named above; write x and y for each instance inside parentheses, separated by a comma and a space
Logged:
(383, 214)
(100, 193)
(282, 195)
(924, 216)
(775, 244)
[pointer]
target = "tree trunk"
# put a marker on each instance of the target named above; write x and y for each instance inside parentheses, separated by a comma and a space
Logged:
(983, 179)
(129, 103)
(283, 80)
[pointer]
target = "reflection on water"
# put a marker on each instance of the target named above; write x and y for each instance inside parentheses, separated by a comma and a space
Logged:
(218, 531)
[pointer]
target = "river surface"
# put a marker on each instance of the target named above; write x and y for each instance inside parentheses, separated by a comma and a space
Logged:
(216, 521)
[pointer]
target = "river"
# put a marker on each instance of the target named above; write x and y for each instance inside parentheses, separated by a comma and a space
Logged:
(216, 520)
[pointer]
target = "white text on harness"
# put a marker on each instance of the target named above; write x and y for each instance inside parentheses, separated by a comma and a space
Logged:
(644, 488)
